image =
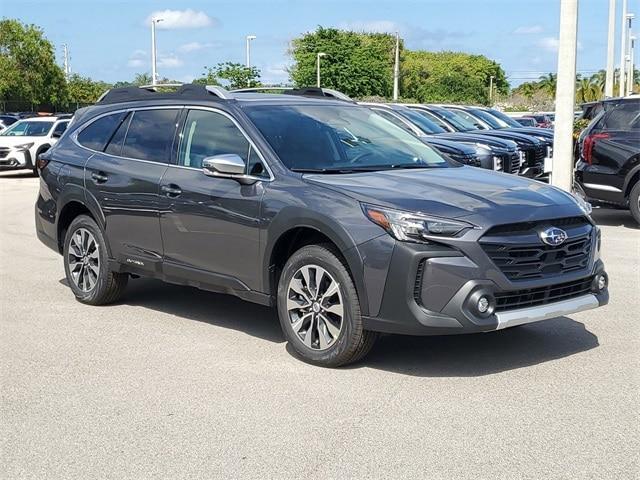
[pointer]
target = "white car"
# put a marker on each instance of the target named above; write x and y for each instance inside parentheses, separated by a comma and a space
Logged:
(22, 142)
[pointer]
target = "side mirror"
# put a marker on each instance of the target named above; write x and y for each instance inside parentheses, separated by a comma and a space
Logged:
(56, 135)
(227, 165)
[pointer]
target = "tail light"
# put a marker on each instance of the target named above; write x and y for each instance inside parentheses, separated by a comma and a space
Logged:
(588, 144)
(42, 161)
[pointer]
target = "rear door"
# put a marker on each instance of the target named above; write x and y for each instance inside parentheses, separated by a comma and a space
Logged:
(124, 180)
(210, 226)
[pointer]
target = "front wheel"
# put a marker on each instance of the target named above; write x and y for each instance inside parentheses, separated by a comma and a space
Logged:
(319, 309)
(86, 264)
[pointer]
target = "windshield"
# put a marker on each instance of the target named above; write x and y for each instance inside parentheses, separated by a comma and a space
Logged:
(26, 128)
(486, 118)
(506, 119)
(422, 122)
(339, 139)
(459, 123)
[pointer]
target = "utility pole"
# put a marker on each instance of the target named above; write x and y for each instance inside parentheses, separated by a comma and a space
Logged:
(491, 89)
(608, 85)
(320, 54)
(154, 67)
(623, 47)
(248, 52)
(66, 67)
(396, 69)
(562, 171)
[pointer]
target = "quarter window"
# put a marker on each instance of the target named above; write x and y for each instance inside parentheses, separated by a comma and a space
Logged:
(98, 133)
(209, 133)
(115, 144)
(150, 135)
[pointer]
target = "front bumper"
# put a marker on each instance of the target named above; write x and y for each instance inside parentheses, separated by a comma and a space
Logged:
(432, 290)
(16, 160)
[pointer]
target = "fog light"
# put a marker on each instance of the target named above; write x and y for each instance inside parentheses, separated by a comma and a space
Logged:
(601, 282)
(483, 305)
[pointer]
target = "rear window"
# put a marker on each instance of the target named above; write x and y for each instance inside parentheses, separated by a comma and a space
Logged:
(150, 135)
(98, 133)
(625, 116)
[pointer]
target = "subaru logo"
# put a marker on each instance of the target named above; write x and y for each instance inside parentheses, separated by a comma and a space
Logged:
(553, 236)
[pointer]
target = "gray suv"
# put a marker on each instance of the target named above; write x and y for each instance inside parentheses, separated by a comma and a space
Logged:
(346, 223)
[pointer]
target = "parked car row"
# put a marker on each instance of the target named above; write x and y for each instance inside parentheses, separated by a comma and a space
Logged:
(344, 217)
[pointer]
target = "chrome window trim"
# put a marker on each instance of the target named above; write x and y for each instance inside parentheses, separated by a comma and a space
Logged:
(74, 136)
(604, 188)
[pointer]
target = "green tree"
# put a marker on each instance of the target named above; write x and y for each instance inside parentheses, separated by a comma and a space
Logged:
(548, 83)
(588, 90)
(28, 71)
(84, 90)
(358, 64)
(451, 77)
(234, 75)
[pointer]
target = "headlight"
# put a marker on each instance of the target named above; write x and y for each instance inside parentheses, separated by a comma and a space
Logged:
(24, 146)
(497, 164)
(583, 204)
(413, 227)
(483, 148)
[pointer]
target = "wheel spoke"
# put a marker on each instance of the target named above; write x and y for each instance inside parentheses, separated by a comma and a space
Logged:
(306, 276)
(309, 335)
(296, 304)
(297, 325)
(332, 289)
(318, 280)
(333, 330)
(336, 309)
(296, 286)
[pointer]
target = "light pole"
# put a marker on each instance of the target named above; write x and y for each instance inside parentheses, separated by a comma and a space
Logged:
(623, 48)
(562, 169)
(628, 61)
(249, 38)
(66, 66)
(631, 66)
(396, 69)
(491, 89)
(154, 68)
(320, 54)
(608, 84)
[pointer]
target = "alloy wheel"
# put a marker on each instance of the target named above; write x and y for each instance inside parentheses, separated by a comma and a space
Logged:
(315, 307)
(84, 259)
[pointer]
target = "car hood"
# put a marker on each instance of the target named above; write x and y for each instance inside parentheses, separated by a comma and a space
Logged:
(10, 141)
(515, 136)
(449, 192)
(449, 146)
(473, 138)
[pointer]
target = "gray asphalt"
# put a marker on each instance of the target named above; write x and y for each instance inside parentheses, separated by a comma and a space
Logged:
(173, 382)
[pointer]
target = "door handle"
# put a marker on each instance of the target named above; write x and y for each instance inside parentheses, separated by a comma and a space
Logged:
(99, 177)
(171, 190)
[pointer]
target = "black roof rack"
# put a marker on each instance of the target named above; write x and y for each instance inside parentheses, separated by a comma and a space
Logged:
(187, 91)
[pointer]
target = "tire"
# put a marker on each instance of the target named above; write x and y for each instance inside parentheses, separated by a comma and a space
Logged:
(634, 202)
(328, 330)
(86, 264)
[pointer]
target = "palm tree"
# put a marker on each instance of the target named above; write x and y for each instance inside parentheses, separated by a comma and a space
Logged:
(548, 83)
(588, 90)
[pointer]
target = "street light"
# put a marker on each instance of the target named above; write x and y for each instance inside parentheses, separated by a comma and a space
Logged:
(249, 38)
(320, 54)
(491, 89)
(628, 60)
(154, 68)
(623, 48)
(631, 66)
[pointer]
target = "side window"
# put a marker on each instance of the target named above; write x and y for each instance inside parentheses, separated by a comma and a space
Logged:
(98, 133)
(59, 129)
(117, 140)
(150, 135)
(208, 133)
(623, 116)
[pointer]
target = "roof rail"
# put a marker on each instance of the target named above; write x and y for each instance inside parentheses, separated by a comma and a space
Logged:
(304, 91)
(188, 90)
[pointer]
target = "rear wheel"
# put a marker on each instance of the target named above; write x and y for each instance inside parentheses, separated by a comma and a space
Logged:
(634, 202)
(319, 308)
(86, 264)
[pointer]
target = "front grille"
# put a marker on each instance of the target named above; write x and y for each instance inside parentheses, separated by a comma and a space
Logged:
(516, 249)
(514, 163)
(543, 295)
(4, 152)
(534, 157)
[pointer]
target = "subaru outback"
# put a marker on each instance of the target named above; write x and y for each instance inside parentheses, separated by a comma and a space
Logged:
(347, 224)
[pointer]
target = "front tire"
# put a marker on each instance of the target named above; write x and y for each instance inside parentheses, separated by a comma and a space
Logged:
(634, 202)
(86, 264)
(319, 309)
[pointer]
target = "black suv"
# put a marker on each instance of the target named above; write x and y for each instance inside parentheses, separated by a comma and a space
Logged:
(321, 207)
(608, 170)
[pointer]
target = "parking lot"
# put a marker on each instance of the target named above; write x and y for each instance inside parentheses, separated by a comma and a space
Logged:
(181, 383)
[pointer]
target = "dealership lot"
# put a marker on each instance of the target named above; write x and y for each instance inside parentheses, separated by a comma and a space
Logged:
(180, 383)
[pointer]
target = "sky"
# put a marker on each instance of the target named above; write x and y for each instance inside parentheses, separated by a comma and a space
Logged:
(110, 40)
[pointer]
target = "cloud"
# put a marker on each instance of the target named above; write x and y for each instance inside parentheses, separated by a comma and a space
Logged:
(174, 19)
(169, 61)
(551, 44)
(528, 30)
(375, 26)
(195, 46)
(138, 59)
